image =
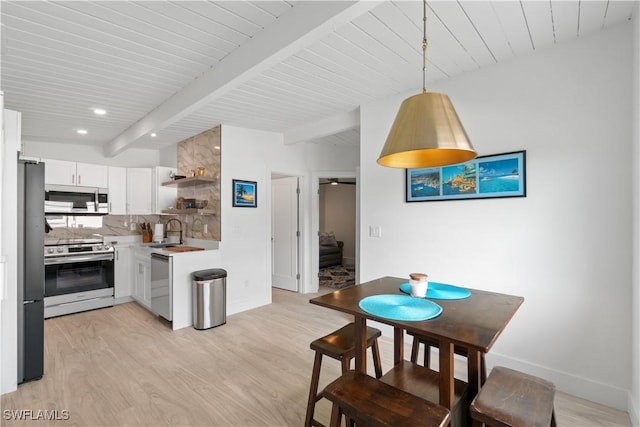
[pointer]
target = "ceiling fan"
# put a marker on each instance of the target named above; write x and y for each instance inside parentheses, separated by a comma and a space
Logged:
(335, 181)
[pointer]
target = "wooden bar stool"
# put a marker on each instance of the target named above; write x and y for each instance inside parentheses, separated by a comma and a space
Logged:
(425, 384)
(514, 399)
(372, 403)
(415, 348)
(339, 345)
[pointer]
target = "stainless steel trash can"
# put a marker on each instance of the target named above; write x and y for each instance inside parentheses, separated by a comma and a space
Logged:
(209, 294)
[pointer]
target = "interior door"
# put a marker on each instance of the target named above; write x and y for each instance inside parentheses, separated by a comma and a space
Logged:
(284, 233)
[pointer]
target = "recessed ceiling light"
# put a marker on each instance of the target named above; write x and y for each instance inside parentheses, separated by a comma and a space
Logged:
(82, 131)
(217, 147)
(153, 135)
(99, 111)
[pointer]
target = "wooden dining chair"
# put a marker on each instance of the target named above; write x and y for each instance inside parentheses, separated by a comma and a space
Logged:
(339, 345)
(372, 403)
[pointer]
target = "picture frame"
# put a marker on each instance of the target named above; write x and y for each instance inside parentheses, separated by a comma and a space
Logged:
(493, 176)
(245, 194)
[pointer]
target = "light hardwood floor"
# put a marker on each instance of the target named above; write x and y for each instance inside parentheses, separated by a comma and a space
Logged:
(123, 366)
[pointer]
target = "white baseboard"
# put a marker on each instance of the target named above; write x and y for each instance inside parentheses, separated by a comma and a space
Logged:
(633, 410)
(122, 300)
(584, 388)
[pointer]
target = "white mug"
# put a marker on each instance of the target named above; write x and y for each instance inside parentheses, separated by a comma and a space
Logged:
(419, 288)
(419, 285)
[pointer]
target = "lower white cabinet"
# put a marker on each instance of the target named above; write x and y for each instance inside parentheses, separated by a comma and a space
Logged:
(142, 278)
(122, 272)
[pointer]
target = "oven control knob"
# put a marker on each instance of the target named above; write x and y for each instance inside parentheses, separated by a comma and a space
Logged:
(106, 247)
(99, 247)
(59, 250)
(50, 250)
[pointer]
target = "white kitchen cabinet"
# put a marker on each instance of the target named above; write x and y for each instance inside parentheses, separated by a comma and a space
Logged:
(59, 172)
(122, 273)
(90, 175)
(142, 278)
(62, 172)
(117, 190)
(139, 184)
(163, 197)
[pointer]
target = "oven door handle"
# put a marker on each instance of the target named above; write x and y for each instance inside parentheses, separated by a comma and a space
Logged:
(74, 258)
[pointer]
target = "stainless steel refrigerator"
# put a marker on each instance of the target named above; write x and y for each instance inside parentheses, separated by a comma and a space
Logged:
(31, 224)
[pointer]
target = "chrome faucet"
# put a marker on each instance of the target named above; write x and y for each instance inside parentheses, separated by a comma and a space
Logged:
(166, 228)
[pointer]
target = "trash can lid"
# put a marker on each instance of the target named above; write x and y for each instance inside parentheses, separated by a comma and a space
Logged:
(210, 274)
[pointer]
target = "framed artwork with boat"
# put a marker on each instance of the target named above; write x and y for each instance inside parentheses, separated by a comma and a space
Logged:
(498, 175)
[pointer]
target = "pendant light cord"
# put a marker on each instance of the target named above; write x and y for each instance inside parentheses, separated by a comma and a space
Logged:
(424, 46)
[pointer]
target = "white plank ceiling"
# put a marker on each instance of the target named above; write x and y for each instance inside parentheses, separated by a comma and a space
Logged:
(177, 68)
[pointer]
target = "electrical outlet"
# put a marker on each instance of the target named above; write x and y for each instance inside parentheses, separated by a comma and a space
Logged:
(132, 226)
(375, 231)
(204, 228)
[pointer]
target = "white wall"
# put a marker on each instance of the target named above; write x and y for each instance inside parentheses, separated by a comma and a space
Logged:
(634, 398)
(9, 236)
(245, 247)
(565, 247)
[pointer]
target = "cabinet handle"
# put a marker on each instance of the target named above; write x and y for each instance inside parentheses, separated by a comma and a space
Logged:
(73, 178)
(79, 179)
(110, 208)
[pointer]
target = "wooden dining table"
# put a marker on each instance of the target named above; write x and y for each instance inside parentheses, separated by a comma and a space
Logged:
(473, 323)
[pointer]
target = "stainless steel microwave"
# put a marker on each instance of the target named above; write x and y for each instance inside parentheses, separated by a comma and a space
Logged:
(75, 200)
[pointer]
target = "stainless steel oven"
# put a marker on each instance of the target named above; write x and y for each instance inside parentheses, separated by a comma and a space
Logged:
(78, 276)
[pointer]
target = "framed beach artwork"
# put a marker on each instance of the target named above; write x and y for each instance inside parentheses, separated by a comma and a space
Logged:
(499, 175)
(245, 194)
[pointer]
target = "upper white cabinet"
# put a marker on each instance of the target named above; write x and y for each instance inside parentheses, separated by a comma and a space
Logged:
(139, 184)
(62, 172)
(117, 190)
(163, 197)
(92, 175)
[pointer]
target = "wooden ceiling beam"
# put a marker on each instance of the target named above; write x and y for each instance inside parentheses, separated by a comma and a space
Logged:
(304, 24)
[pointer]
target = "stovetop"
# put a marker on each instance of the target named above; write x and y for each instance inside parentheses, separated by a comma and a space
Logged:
(55, 247)
(62, 242)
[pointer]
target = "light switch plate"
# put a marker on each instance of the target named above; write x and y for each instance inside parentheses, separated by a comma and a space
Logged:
(375, 231)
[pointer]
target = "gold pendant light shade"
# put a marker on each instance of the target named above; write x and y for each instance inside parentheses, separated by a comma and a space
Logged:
(426, 133)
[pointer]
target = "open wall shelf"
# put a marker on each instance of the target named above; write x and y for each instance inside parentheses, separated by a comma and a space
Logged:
(189, 181)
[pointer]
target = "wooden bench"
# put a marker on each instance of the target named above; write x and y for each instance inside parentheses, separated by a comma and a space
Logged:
(514, 399)
(372, 403)
(338, 345)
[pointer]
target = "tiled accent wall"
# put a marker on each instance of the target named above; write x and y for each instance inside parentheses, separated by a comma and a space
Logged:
(202, 150)
(69, 227)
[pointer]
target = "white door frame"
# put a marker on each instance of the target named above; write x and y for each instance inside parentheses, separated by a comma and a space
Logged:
(315, 223)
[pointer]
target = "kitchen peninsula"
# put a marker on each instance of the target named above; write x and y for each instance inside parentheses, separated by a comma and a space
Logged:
(181, 265)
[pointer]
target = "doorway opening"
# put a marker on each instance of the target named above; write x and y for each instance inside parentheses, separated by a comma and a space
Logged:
(336, 213)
